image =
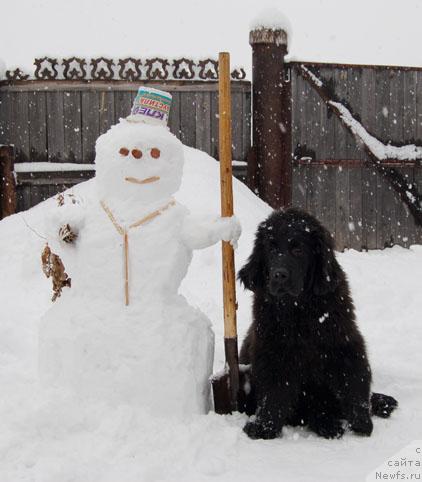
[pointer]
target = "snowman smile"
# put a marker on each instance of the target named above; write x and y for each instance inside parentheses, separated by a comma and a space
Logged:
(148, 180)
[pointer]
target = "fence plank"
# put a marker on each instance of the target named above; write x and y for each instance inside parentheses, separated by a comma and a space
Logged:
(203, 121)
(90, 124)
(106, 110)
(122, 105)
(296, 109)
(20, 126)
(174, 119)
(6, 116)
(188, 119)
(55, 126)
(410, 134)
(354, 94)
(369, 176)
(308, 110)
(237, 125)
(246, 125)
(399, 228)
(72, 126)
(37, 126)
(214, 125)
(342, 178)
(385, 197)
(299, 186)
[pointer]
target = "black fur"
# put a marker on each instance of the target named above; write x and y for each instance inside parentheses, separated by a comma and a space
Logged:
(308, 359)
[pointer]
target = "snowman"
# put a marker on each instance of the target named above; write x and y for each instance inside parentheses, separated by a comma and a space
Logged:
(122, 333)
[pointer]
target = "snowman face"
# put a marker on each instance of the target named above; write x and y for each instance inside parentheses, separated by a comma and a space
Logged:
(138, 163)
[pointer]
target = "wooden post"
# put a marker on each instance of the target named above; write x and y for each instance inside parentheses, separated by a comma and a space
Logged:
(229, 276)
(271, 116)
(7, 182)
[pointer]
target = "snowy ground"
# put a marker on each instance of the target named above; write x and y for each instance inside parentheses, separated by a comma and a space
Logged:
(50, 436)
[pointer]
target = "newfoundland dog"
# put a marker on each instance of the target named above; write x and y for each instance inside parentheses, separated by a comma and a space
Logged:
(308, 362)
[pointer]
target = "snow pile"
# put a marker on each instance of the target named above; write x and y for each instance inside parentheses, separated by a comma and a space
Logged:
(51, 434)
(273, 18)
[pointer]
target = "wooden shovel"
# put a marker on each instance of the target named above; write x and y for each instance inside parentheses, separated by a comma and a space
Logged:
(226, 384)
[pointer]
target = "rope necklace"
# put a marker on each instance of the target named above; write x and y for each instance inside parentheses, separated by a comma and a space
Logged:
(124, 232)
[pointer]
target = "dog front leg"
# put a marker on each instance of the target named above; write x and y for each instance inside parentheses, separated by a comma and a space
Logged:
(275, 406)
(354, 389)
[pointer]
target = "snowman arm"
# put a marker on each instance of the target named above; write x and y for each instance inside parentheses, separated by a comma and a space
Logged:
(199, 233)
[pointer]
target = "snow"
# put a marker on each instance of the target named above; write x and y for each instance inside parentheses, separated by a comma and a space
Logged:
(49, 434)
(314, 78)
(381, 151)
(239, 163)
(2, 68)
(274, 19)
(21, 167)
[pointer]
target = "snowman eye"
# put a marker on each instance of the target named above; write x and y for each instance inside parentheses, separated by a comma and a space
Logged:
(136, 153)
(124, 151)
(155, 153)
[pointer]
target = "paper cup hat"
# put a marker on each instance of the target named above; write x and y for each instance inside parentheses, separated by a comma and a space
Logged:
(151, 106)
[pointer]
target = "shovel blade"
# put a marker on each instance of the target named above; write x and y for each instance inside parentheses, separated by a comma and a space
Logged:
(222, 395)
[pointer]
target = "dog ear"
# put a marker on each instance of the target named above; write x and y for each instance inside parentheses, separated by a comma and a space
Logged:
(252, 274)
(327, 270)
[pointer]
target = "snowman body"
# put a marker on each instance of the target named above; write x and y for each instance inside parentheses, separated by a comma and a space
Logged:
(157, 351)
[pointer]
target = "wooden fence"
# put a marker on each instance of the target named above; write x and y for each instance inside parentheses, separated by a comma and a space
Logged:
(59, 121)
(332, 176)
(303, 154)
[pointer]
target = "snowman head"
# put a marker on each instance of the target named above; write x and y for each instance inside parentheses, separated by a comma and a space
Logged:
(138, 164)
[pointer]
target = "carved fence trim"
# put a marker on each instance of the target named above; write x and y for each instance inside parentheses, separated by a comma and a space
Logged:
(127, 69)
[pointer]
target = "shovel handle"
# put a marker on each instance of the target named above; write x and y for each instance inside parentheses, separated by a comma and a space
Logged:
(225, 146)
(229, 278)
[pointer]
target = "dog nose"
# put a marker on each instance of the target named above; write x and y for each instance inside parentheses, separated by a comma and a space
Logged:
(281, 274)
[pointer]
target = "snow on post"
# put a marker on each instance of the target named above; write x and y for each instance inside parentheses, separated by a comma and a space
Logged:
(271, 22)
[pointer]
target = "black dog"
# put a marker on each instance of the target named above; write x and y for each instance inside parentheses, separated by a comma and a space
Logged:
(308, 362)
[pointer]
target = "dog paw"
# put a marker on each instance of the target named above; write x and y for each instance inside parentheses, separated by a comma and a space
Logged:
(261, 430)
(328, 428)
(383, 405)
(362, 426)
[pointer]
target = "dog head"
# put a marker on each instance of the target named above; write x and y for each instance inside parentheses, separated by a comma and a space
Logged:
(292, 254)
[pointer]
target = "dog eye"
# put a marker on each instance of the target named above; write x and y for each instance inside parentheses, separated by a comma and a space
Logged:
(155, 153)
(297, 251)
(124, 151)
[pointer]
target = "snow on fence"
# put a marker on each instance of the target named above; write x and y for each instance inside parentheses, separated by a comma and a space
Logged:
(58, 115)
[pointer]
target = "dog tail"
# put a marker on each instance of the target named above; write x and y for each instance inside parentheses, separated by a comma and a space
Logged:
(383, 405)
